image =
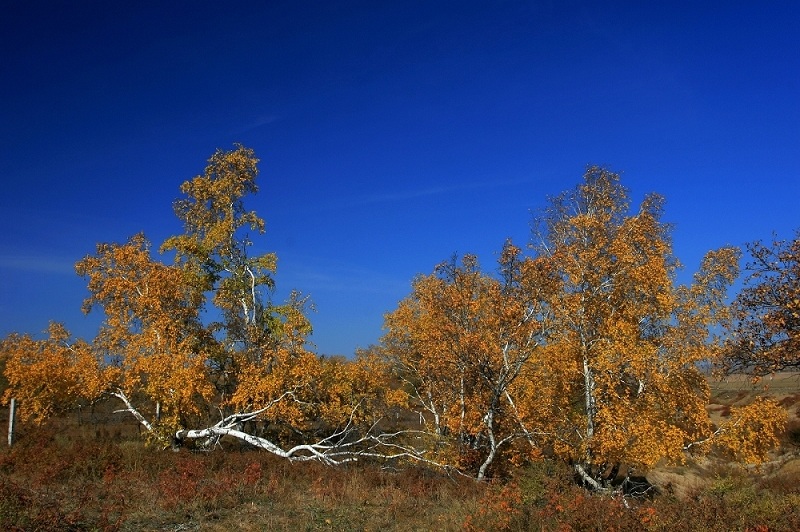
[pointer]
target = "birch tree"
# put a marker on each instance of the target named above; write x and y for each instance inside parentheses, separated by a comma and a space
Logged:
(51, 375)
(631, 338)
(463, 344)
(195, 348)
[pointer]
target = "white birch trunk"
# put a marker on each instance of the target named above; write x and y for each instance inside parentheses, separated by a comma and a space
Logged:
(12, 412)
(588, 382)
(492, 445)
(139, 417)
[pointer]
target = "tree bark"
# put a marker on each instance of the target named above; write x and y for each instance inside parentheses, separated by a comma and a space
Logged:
(587, 478)
(124, 398)
(12, 412)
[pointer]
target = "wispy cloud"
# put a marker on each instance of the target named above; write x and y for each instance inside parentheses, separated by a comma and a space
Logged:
(391, 197)
(37, 264)
(255, 123)
(324, 274)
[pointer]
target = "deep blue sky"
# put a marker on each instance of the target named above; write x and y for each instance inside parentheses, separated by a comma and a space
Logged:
(391, 134)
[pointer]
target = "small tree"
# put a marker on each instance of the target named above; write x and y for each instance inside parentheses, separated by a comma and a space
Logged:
(765, 336)
(52, 375)
(628, 340)
(151, 338)
(463, 343)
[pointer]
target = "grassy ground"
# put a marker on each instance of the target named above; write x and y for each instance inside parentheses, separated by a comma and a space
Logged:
(90, 473)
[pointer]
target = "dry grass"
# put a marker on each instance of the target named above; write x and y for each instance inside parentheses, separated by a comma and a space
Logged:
(740, 389)
(77, 483)
(92, 473)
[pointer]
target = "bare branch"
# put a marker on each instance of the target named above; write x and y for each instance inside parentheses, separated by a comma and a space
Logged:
(124, 398)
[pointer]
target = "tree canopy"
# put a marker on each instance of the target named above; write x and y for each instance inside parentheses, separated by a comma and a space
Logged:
(583, 348)
(586, 349)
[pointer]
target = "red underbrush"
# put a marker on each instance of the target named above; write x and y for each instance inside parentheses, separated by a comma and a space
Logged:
(542, 496)
(68, 478)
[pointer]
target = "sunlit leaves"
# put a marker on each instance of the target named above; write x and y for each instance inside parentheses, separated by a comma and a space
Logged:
(213, 252)
(587, 349)
(51, 375)
(151, 333)
(635, 336)
(584, 349)
(461, 343)
(213, 211)
(156, 347)
(753, 431)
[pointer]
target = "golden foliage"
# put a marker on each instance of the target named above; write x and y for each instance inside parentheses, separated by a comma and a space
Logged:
(151, 334)
(753, 431)
(588, 349)
(50, 375)
(154, 351)
(463, 342)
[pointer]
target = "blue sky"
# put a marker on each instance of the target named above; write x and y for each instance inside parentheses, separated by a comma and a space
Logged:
(392, 134)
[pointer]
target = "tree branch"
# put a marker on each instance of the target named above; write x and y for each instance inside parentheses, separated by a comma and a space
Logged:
(124, 398)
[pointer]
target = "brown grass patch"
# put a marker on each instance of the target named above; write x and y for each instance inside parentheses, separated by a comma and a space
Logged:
(89, 472)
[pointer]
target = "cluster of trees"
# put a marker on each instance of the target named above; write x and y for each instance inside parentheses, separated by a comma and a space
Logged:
(174, 371)
(583, 349)
(586, 349)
